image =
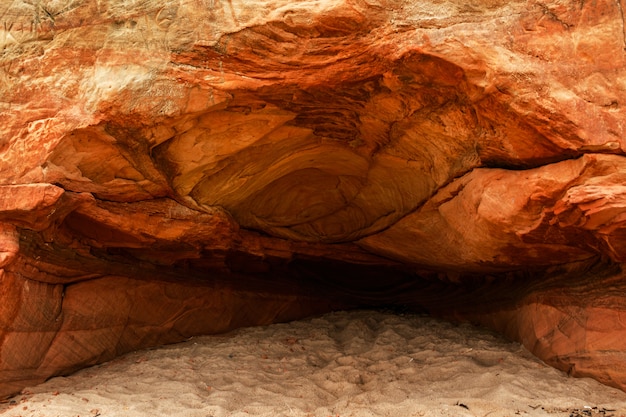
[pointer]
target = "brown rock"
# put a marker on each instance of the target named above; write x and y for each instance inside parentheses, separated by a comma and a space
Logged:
(171, 169)
(496, 219)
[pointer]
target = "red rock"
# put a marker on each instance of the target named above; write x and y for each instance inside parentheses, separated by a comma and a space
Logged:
(496, 219)
(177, 169)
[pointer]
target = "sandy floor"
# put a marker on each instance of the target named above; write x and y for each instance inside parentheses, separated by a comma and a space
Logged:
(344, 364)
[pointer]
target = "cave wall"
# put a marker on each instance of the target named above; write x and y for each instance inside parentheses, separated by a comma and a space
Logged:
(171, 168)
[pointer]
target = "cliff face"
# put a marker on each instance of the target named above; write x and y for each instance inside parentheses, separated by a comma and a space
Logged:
(172, 168)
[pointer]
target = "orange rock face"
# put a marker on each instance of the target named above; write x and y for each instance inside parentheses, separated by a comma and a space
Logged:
(170, 168)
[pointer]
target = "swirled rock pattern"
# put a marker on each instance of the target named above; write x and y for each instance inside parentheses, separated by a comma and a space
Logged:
(172, 168)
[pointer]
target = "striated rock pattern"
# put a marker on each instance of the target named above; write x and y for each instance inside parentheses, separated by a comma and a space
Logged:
(171, 168)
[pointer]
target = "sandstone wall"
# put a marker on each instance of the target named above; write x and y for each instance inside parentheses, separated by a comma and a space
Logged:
(176, 167)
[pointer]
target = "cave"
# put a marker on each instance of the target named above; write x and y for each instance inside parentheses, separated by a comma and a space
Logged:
(171, 169)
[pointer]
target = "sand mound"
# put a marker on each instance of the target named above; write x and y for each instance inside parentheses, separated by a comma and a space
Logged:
(360, 363)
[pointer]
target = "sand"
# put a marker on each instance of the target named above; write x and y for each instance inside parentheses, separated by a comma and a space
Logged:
(360, 363)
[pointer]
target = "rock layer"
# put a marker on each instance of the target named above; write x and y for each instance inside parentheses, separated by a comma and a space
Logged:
(171, 168)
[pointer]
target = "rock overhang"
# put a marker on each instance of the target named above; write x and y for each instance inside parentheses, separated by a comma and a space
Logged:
(174, 169)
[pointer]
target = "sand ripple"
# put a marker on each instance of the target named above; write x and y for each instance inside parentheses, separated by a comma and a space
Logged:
(362, 363)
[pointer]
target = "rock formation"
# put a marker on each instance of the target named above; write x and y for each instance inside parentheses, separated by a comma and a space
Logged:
(171, 168)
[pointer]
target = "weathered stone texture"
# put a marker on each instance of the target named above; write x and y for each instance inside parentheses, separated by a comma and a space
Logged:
(171, 168)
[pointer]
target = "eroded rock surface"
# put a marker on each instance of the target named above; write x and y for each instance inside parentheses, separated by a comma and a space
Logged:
(172, 168)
